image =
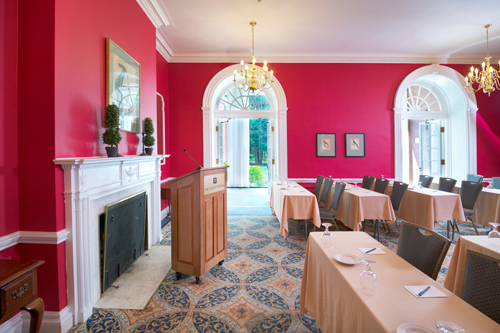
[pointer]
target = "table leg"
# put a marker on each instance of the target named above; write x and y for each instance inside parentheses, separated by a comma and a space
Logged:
(35, 309)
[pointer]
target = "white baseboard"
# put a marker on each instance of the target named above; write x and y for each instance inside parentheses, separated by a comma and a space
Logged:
(164, 213)
(52, 322)
(13, 325)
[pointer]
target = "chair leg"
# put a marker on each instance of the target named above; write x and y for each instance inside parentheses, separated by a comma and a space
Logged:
(376, 230)
(452, 230)
(305, 227)
(474, 225)
(448, 229)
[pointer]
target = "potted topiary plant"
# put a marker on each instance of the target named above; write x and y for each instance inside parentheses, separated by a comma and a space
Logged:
(149, 139)
(112, 135)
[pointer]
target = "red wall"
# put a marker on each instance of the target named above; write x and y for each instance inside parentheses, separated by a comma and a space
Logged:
(9, 200)
(324, 98)
(61, 100)
(488, 129)
(162, 74)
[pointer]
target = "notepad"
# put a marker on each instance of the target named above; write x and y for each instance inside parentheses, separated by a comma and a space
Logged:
(376, 251)
(432, 292)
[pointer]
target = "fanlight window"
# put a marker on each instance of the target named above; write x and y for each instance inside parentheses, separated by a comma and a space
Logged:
(421, 99)
(237, 99)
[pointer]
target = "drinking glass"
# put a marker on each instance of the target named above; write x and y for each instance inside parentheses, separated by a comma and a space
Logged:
(382, 176)
(327, 236)
(419, 184)
(494, 233)
(355, 186)
(368, 279)
(449, 327)
(490, 185)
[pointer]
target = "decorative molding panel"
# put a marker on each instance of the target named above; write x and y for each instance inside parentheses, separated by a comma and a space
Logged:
(106, 180)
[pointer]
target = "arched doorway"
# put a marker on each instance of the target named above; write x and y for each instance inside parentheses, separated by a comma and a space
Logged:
(433, 102)
(215, 91)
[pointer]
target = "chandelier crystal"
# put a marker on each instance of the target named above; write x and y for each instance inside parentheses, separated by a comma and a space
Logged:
(488, 78)
(253, 78)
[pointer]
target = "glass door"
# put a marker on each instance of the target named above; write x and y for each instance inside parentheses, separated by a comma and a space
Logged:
(270, 155)
(430, 148)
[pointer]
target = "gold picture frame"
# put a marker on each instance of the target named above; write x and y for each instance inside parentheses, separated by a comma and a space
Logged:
(123, 86)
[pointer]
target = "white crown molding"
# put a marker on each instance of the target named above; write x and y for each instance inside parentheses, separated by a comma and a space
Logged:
(163, 46)
(166, 50)
(156, 12)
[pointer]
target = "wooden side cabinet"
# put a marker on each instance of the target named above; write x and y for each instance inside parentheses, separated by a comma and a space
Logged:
(19, 290)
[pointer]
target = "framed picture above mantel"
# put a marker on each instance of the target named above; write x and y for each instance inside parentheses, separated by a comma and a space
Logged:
(354, 144)
(325, 145)
(123, 86)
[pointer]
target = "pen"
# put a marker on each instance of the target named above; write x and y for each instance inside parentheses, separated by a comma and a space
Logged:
(371, 250)
(424, 291)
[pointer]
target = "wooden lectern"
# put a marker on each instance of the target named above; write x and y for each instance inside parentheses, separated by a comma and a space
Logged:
(199, 221)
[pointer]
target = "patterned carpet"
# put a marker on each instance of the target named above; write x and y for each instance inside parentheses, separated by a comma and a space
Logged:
(257, 288)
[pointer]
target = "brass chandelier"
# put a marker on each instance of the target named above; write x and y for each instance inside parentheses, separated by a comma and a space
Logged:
(488, 78)
(252, 78)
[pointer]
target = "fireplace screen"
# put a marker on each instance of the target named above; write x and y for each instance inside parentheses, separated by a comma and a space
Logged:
(122, 236)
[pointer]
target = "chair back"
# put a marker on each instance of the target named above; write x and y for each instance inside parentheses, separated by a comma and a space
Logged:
(425, 180)
(446, 184)
(426, 251)
(474, 178)
(470, 191)
(317, 187)
(367, 182)
(495, 182)
(398, 191)
(480, 287)
(381, 185)
(338, 191)
(327, 186)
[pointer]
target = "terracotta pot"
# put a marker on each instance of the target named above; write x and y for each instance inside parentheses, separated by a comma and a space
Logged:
(112, 151)
(149, 150)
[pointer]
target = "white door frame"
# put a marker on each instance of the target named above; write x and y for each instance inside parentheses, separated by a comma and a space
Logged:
(399, 107)
(276, 96)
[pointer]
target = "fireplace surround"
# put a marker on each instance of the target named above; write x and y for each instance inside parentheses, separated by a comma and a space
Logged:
(91, 183)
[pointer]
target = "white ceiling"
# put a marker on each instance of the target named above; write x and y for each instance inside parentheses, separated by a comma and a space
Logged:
(421, 31)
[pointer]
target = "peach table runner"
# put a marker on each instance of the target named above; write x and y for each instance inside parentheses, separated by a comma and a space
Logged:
(331, 291)
(293, 202)
(358, 204)
(455, 275)
(424, 206)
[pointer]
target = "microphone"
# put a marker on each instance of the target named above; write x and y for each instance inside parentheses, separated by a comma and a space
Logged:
(199, 166)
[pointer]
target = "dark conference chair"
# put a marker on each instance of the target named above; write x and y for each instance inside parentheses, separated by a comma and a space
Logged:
(425, 180)
(423, 248)
(474, 178)
(367, 182)
(317, 187)
(446, 184)
(468, 195)
(327, 186)
(480, 287)
(326, 213)
(381, 185)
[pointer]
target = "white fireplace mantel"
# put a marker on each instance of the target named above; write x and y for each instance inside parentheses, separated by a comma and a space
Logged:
(91, 183)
